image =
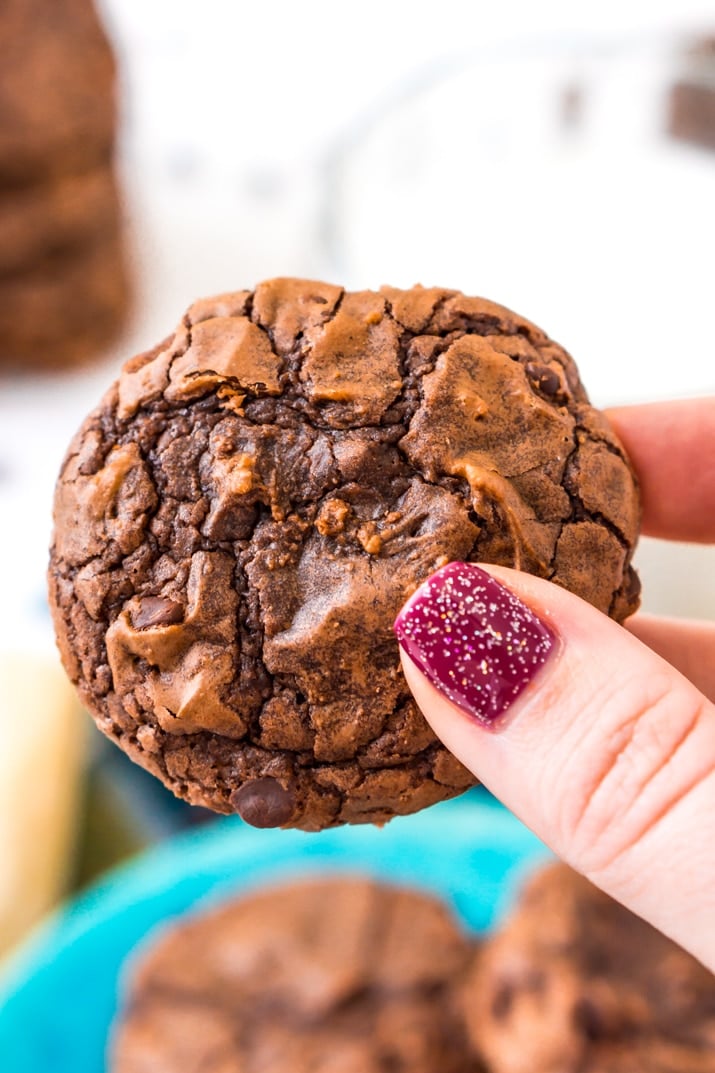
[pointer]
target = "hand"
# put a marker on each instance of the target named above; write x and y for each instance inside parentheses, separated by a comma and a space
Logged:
(600, 738)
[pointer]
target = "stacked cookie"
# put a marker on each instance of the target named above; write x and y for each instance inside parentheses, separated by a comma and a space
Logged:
(692, 100)
(63, 285)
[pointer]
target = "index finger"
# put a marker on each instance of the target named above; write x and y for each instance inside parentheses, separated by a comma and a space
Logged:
(672, 448)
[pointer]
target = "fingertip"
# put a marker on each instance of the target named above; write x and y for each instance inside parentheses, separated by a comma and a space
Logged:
(476, 642)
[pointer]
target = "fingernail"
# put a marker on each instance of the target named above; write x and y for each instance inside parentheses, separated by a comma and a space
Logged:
(475, 641)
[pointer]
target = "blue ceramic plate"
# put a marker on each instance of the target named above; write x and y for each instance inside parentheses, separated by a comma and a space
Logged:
(59, 995)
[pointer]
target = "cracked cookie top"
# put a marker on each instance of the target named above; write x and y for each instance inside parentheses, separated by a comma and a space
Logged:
(240, 520)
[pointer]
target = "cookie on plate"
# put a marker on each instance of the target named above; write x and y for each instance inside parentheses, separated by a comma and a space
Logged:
(576, 983)
(240, 520)
(330, 974)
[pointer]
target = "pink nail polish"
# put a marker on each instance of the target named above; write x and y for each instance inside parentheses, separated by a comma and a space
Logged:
(474, 640)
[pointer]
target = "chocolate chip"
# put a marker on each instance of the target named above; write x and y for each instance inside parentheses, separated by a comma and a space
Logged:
(157, 611)
(263, 803)
(588, 1019)
(544, 379)
(502, 1001)
(633, 586)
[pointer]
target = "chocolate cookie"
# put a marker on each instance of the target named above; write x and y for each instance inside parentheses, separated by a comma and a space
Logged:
(56, 218)
(63, 278)
(574, 982)
(333, 974)
(57, 107)
(240, 520)
(691, 115)
(65, 308)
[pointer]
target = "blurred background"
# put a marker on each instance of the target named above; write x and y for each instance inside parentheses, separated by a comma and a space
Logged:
(557, 158)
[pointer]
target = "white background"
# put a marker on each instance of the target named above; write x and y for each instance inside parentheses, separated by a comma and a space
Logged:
(401, 143)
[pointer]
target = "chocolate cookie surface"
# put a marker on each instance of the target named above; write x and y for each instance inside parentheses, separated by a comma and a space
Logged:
(242, 517)
(574, 982)
(332, 974)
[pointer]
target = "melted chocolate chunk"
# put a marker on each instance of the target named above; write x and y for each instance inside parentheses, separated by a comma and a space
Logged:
(264, 803)
(157, 611)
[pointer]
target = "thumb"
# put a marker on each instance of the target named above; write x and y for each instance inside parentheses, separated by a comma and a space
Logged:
(598, 744)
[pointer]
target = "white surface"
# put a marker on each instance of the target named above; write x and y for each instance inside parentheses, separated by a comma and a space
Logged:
(603, 234)
(393, 145)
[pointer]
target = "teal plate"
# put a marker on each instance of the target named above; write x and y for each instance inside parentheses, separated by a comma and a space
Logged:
(59, 994)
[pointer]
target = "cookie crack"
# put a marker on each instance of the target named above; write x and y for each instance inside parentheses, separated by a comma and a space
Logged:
(303, 351)
(175, 355)
(551, 570)
(582, 513)
(436, 310)
(611, 447)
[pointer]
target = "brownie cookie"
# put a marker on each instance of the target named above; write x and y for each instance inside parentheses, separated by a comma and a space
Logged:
(63, 276)
(64, 309)
(331, 974)
(57, 218)
(240, 520)
(691, 115)
(57, 106)
(575, 983)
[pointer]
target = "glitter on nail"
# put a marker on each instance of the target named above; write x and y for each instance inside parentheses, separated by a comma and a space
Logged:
(496, 647)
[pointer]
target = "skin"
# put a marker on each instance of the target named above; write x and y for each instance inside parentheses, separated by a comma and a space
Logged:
(609, 754)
